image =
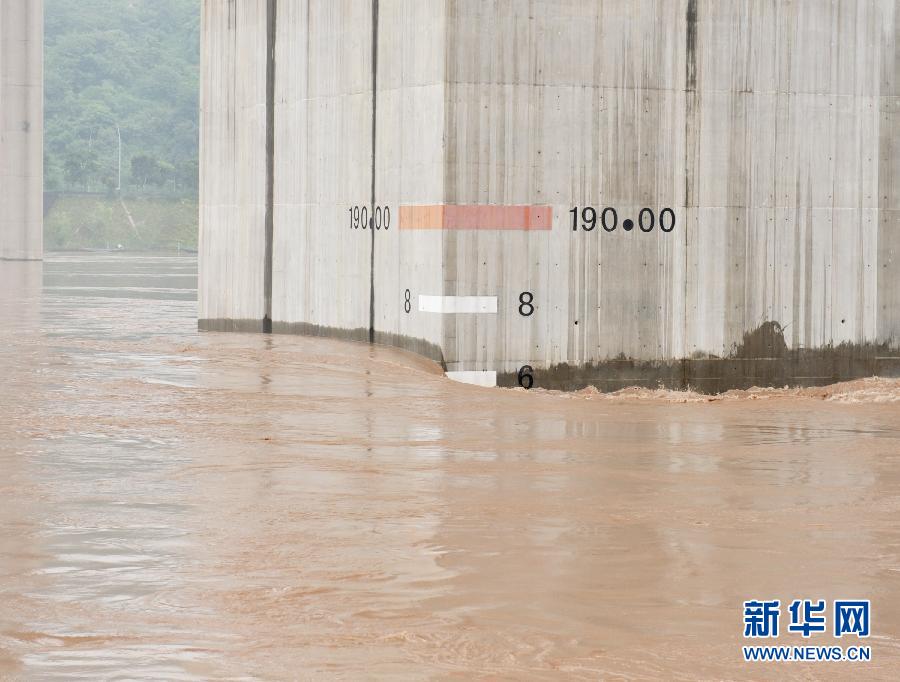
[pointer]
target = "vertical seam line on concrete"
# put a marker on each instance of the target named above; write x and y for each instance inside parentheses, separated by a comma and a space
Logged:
(690, 86)
(271, 24)
(372, 203)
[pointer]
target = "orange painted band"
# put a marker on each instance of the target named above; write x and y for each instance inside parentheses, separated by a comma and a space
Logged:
(475, 217)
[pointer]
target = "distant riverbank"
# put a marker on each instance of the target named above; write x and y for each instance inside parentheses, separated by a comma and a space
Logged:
(74, 222)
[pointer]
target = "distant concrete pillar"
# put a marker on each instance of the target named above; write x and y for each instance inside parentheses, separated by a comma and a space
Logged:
(21, 129)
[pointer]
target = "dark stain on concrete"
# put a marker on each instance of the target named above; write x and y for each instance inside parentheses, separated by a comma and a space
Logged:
(271, 33)
(419, 346)
(766, 341)
(372, 202)
(690, 71)
(761, 359)
(229, 325)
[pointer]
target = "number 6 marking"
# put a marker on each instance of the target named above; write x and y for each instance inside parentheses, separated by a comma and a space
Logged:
(526, 380)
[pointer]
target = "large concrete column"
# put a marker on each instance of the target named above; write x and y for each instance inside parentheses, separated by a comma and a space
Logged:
(695, 192)
(21, 129)
(233, 164)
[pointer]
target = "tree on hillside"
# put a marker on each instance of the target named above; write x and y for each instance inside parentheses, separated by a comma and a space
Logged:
(147, 171)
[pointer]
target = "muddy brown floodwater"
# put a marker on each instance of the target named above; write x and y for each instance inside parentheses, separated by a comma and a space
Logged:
(178, 505)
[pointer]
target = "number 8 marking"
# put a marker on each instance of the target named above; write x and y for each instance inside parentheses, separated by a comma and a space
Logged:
(407, 303)
(526, 308)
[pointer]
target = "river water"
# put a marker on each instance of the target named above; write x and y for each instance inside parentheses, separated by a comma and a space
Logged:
(184, 505)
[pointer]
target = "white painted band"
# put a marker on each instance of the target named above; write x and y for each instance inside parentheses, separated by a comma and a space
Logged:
(457, 304)
(477, 378)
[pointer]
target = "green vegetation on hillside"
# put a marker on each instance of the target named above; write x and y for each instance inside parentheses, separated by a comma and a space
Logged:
(131, 64)
(77, 222)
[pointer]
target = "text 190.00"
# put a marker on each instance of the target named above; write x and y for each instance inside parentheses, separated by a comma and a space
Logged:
(588, 217)
(360, 217)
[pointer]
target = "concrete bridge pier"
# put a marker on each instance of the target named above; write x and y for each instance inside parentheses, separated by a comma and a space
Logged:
(694, 193)
(21, 129)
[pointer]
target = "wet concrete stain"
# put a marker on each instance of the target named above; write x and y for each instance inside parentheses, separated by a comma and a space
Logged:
(762, 359)
(361, 334)
(372, 198)
(271, 33)
(691, 46)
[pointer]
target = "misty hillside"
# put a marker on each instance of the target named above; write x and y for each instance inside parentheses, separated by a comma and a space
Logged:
(131, 63)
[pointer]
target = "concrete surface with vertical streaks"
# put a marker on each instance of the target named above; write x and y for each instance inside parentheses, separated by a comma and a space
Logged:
(21, 129)
(769, 129)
